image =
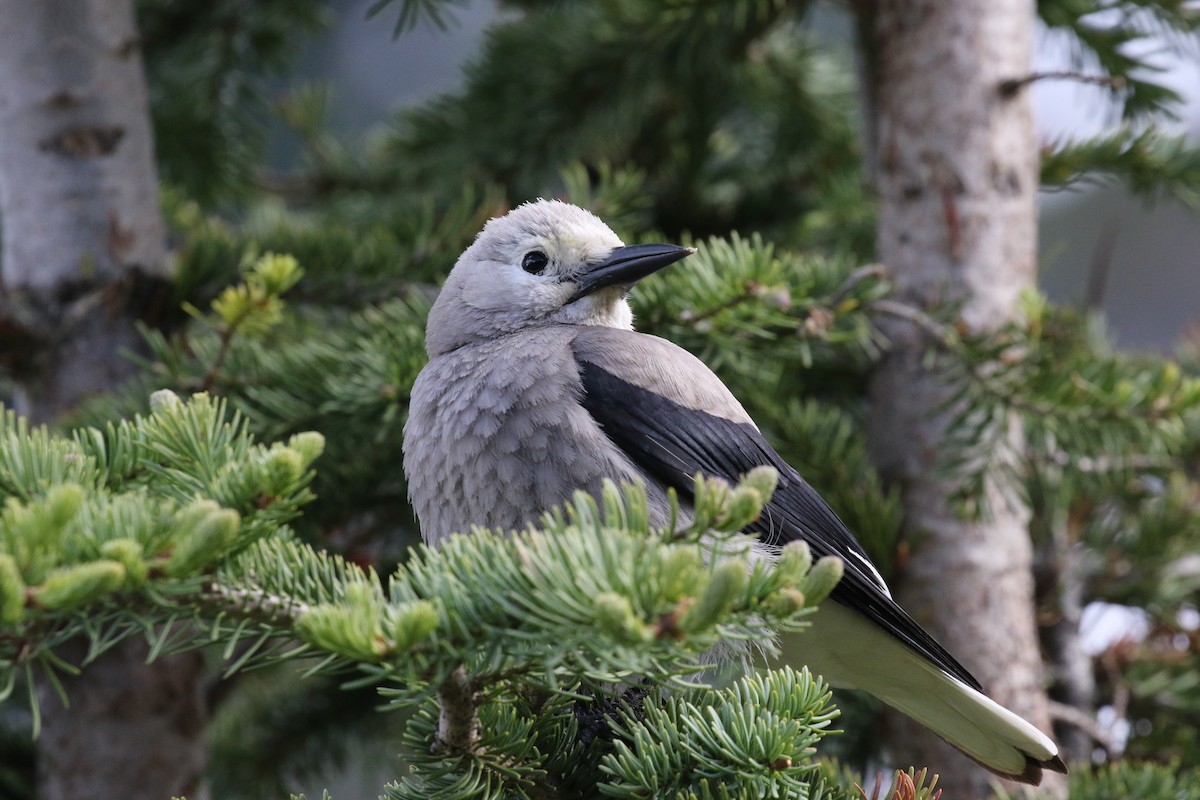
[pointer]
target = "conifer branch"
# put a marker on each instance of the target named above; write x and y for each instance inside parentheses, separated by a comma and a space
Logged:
(276, 610)
(458, 731)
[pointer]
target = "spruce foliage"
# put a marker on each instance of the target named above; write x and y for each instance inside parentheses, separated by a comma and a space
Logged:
(174, 526)
(181, 519)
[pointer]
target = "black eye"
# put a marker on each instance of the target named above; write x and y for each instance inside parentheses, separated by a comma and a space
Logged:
(534, 262)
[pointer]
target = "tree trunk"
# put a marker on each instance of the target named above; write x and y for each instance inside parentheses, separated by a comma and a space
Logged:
(83, 258)
(134, 730)
(955, 165)
(83, 235)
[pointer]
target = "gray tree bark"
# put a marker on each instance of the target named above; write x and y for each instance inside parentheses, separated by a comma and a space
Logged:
(134, 730)
(84, 257)
(955, 165)
(78, 196)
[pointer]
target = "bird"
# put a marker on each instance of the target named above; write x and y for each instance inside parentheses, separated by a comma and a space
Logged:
(537, 385)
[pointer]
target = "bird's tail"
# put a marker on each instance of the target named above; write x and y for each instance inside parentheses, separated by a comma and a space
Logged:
(851, 652)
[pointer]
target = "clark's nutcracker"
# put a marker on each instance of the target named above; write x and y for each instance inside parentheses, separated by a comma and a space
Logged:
(537, 385)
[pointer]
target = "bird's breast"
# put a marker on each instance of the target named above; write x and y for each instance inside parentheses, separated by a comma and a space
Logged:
(496, 435)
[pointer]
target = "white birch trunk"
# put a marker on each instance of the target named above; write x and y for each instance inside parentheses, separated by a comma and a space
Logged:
(78, 194)
(955, 165)
(83, 257)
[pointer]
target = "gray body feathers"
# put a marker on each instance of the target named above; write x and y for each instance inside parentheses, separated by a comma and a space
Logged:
(506, 437)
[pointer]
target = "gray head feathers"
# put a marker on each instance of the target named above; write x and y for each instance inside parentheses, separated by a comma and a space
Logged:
(521, 272)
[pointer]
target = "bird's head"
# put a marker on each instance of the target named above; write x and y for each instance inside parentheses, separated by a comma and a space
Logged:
(545, 262)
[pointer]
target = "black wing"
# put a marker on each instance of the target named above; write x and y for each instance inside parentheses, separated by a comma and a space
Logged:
(672, 443)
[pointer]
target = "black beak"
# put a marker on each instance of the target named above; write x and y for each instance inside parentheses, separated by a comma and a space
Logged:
(627, 265)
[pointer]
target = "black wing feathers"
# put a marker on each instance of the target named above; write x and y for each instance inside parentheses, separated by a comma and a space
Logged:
(672, 443)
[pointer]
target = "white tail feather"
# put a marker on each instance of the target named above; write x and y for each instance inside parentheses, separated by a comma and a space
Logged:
(852, 653)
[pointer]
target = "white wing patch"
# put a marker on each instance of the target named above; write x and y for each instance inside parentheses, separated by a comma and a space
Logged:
(872, 572)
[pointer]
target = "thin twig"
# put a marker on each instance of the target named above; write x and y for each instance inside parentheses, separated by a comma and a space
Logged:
(941, 332)
(1081, 720)
(747, 294)
(865, 272)
(1013, 85)
(214, 372)
(1101, 267)
(1103, 464)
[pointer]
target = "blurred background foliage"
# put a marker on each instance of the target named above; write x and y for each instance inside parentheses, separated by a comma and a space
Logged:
(730, 125)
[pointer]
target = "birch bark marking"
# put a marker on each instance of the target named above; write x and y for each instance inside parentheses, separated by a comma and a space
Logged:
(78, 194)
(956, 171)
(83, 255)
